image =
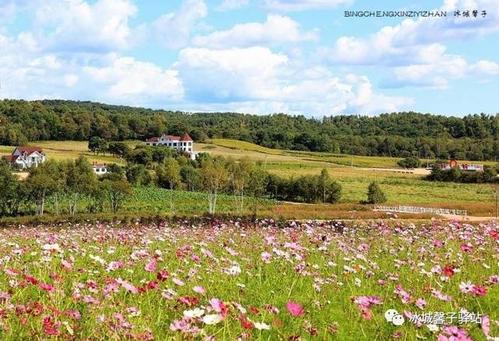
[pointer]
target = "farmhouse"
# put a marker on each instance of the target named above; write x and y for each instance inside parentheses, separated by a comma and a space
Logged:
(100, 169)
(26, 157)
(182, 143)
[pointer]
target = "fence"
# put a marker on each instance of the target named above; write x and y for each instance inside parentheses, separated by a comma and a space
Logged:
(413, 209)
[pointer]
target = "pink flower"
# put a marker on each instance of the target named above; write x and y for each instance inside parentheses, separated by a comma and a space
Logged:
(219, 306)
(46, 287)
(404, 295)
(128, 286)
(486, 325)
(66, 265)
(453, 333)
(295, 309)
(114, 266)
(366, 314)
(266, 257)
(199, 290)
(178, 281)
(479, 290)
(441, 296)
(162, 275)
(420, 303)
(151, 266)
(50, 327)
(466, 247)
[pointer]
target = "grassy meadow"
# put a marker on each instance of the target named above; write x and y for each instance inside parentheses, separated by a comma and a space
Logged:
(354, 173)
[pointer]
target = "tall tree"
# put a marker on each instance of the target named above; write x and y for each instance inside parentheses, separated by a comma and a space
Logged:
(80, 181)
(214, 177)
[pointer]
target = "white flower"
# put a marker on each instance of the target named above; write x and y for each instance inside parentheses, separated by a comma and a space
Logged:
(261, 326)
(212, 319)
(194, 313)
(234, 270)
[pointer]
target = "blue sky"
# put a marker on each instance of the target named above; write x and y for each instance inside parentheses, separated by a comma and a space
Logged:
(254, 56)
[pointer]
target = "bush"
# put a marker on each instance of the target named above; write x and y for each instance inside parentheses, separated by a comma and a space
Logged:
(374, 194)
(409, 162)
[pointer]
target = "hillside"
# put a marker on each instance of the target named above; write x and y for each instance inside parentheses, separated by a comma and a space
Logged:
(473, 137)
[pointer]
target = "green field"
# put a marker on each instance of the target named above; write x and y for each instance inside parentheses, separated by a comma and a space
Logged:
(401, 188)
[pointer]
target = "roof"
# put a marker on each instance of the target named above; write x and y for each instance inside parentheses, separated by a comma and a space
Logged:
(153, 139)
(29, 150)
(185, 137)
(98, 165)
(172, 137)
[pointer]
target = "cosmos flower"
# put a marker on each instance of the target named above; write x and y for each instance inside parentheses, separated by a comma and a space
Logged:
(295, 309)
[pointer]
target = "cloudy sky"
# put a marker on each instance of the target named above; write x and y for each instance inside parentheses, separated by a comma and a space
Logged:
(256, 56)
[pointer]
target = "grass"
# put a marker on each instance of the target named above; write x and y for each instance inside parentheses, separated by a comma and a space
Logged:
(139, 281)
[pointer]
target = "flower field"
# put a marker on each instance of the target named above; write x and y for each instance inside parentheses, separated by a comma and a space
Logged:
(233, 280)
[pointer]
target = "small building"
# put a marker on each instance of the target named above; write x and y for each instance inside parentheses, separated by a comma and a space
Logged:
(466, 167)
(182, 143)
(100, 169)
(24, 157)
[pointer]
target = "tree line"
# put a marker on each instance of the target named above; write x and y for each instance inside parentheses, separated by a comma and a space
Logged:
(72, 186)
(405, 134)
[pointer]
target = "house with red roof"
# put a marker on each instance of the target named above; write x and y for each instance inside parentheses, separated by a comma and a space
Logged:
(24, 157)
(182, 143)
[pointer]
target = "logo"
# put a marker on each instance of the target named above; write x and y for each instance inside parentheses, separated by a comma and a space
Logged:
(391, 315)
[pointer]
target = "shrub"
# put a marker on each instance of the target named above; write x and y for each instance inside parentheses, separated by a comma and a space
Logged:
(374, 194)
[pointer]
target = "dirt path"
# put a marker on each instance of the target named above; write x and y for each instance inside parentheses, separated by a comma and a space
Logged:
(466, 218)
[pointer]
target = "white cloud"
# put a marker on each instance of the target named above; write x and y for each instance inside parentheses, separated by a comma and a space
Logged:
(30, 73)
(228, 5)
(301, 5)
(77, 25)
(236, 79)
(127, 77)
(276, 29)
(437, 73)
(413, 49)
(173, 30)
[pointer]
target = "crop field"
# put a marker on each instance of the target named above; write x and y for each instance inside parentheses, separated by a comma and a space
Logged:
(228, 280)
(156, 200)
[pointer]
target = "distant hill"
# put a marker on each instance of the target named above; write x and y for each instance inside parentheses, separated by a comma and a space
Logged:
(473, 137)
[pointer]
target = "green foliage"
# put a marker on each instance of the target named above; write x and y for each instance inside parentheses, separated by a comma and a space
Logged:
(489, 175)
(409, 162)
(97, 145)
(12, 192)
(473, 137)
(374, 194)
(117, 191)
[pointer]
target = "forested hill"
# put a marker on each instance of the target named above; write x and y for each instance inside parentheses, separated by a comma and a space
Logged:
(472, 137)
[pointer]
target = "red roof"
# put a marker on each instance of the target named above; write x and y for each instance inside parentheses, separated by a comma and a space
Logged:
(29, 150)
(185, 137)
(153, 139)
(172, 137)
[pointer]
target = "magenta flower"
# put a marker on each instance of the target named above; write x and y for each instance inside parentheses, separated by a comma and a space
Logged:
(295, 309)
(151, 266)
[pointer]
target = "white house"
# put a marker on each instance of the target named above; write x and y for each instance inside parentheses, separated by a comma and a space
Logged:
(100, 169)
(26, 157)
(182, 143)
